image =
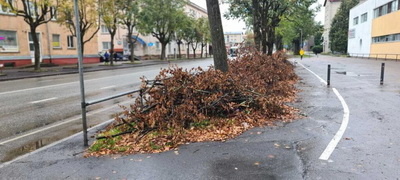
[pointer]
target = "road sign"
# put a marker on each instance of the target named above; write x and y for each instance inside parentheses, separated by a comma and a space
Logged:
(150, 44)
(301, 52)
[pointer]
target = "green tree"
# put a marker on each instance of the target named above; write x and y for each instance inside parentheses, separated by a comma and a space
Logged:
(88, 19)
(160, 18)
(35, 13)
(180, 33)
(129, 13)
(266, 16)
(298, 25)
(188, 32)
(110, 15)
(204, 30)
(338, 35)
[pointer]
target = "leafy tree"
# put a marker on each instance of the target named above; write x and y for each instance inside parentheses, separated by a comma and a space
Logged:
(265, 16)
(35, 13)
(185, 23)
(188, 32)
(204, 30)
(317, 49)
(318, 39)
(160, 18)
(110, 14)
(298, 24)
(88, 19)
(129, 13)
(217, 35)
(339, 28)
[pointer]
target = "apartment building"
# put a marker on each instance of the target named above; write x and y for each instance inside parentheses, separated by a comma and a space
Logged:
(233, 38)
(372, 30)
(147, 46)
(331, 7)
(57, 45)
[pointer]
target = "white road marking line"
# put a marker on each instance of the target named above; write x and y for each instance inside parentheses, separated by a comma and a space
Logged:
(346, 116)
(320, 79)
(43, 100)
(58, 124)
(53, 144)
(338, 136)
(76, 82)
(108, 87)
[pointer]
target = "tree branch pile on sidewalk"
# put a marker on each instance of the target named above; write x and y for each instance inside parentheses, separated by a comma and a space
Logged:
(182, 106)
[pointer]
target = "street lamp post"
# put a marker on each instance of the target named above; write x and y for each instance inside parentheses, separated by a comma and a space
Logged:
(81, 80)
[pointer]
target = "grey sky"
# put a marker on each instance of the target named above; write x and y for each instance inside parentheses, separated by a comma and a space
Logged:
(237, 25)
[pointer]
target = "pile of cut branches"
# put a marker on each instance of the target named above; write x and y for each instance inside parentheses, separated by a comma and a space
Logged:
(182, 106)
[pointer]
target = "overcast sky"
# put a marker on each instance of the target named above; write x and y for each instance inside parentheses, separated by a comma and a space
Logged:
(239, 26)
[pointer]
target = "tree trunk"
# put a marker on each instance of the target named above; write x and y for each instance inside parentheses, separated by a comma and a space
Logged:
(179, 50)
(132, 47)
(163, 47)
(187, 52)
(194, 50)
(278, 42)
(36, 46)
(271, 39)
(217, 34)
(264, 41)
(202, 47)
(256, 24)
(296, 47)
(112, 49)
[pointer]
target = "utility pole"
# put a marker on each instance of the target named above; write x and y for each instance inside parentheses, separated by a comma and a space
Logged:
(81, 80)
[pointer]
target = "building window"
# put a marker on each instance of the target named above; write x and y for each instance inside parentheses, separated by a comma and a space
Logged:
(8, 41)
(4, 9)
(70, 42)
(56, 41)
(54, 13)
(104, 29)
(364, 17)
(355, 21)
(387, 8)
(106, 45)
(31, 9)
(386, 38)
(158, 45)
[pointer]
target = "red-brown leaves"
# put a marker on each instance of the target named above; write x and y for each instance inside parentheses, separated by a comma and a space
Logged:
(189, 106)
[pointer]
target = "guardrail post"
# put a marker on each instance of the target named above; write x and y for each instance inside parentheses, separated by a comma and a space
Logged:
(382, 73)
(141, 97)
(329, 75)
(376, 57)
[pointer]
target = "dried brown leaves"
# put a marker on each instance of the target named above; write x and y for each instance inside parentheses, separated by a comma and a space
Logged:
(206, 105)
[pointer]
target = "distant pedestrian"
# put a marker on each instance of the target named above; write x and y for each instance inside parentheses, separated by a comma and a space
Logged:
(301, 53)
(106, 57)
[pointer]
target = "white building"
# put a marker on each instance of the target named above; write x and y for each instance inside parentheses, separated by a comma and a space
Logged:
(331, 7)
(360, 23)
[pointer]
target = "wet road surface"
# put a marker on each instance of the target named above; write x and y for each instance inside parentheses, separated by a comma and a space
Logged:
(368, 149)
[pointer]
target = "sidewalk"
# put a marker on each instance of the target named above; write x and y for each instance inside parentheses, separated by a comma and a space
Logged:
(22, 73)
(260, 153)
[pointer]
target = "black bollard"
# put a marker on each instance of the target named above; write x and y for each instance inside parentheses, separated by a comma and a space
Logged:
(382, 73)
(329, 75)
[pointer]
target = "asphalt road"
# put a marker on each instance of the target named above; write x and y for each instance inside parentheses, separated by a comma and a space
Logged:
(39, 105)
(355, 112)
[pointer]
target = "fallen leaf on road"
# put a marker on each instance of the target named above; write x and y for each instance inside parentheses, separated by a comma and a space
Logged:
(257, 163)
(271, 156)
(277, 145)
(347, 138)
(236, 168)
(97, 178)
(114, 172)
(259, 132)
(176, 152)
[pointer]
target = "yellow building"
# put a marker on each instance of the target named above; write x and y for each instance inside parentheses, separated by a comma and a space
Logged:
(148, 46)
(386, 30)
(57, 45)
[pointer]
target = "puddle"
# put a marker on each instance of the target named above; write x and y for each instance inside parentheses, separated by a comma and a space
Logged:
(347, 73)
(11, 154)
